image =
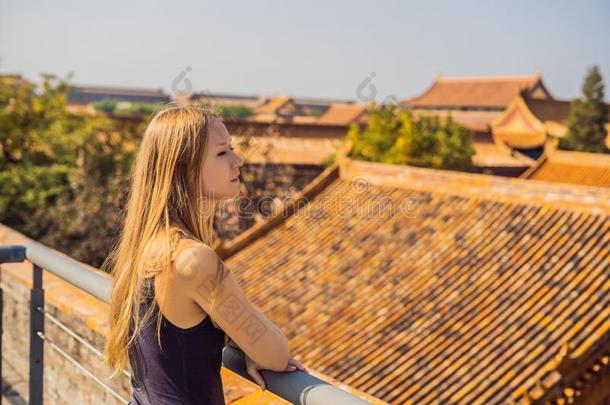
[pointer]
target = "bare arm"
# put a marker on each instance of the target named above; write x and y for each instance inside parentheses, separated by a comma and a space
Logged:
(246, 325)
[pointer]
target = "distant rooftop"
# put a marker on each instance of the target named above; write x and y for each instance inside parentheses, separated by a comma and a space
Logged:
(591, 169)
(89, 94)
(484, 92)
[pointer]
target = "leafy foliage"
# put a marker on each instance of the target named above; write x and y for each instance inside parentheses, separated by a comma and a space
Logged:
(127, 108)
(395, 136)
(233, 112)
(588, 117)
(60, 171)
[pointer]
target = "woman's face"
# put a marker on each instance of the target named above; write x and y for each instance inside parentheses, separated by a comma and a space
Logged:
(221, 164)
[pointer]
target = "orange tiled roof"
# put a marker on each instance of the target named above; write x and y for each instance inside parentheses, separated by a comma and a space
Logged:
(549, 110)
(473, 120)
(483, 91)
(273, 105)
(578, 377)
(491, 154)
(589, 169)
(527, 122)
(342, 114)
(285, 150)
(425, 286)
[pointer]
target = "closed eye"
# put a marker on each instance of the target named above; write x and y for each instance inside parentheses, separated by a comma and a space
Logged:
(223, 152)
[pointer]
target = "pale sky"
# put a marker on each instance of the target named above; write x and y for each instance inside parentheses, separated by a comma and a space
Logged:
(310, 49)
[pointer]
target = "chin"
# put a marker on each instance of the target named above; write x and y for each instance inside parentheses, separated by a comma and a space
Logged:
(234, 193)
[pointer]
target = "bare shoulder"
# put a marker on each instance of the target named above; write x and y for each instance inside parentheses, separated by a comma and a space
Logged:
(195, 260)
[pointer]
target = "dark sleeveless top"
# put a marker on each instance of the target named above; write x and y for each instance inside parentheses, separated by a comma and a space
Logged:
(186, 371)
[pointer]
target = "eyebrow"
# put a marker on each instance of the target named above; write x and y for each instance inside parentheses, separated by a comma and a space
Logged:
(222, 143)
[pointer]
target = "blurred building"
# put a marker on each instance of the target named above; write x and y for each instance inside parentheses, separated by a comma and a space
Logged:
(216, 99)
(557, 166)
(282, 109)
(512, 117)
(82, 95)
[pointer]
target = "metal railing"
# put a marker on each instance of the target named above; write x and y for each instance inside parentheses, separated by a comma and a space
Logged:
(295, 387)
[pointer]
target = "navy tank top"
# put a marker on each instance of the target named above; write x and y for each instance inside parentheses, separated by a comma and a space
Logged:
(185, 371)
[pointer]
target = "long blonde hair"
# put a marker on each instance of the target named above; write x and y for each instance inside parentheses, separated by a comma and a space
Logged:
(164, 205)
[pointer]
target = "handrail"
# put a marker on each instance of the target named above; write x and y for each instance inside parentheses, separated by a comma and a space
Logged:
(69, 270)
(296, 387)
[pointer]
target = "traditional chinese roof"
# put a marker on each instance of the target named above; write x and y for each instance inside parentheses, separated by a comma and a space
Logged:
(474, 120)
(305, 110)
(342, 114)
(285, 150)
(210, 98)
(274, 105)
(429, 286)
(575, 377)
(490, 154)
(528, 122)
(494, 92)
(589, 169)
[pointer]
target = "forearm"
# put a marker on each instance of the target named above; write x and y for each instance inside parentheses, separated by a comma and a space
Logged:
(231, 342)
(275, 330)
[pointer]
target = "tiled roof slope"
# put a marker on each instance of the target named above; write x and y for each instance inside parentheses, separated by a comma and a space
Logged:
(474, 120)
(285, 150)
(481, 91)
(423, 286)
(589, 169)
(342, 114)
(492, 154)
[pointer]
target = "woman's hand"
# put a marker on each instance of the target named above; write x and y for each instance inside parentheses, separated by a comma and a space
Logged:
(294, 364)
(253, 369)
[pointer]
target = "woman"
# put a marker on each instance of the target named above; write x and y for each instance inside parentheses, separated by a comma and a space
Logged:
(174, 303)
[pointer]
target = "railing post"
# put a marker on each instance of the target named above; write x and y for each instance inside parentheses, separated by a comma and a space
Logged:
(36, 341)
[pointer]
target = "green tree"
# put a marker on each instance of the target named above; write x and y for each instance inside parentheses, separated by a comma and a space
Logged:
(233, 112)
(60, 173)
(395, 136)
(588, 117)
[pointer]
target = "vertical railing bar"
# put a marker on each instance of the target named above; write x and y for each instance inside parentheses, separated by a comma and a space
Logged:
(36, 342)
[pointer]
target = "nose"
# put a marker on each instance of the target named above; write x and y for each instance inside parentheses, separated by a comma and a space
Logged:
(240, 161)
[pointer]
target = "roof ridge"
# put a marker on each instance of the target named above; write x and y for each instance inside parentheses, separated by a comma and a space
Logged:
(527, 191)
(120, 88)
(488, 78)
(578, 157)
(347, 105)
(288, 208)
(532, 170)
